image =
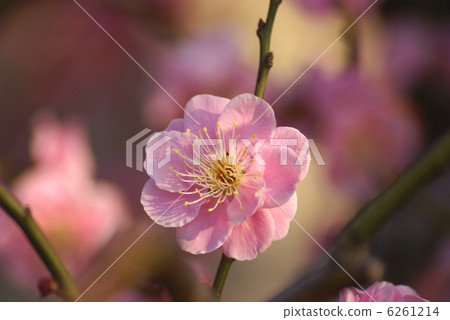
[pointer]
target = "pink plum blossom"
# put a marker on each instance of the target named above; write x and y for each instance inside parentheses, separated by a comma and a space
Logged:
(239, 197)
(381, 292)
(77, 214)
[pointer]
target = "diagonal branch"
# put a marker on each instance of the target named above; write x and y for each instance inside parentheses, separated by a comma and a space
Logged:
(350, 244)
(22, 216)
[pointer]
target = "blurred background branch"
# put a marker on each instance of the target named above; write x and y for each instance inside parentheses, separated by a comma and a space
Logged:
(22, 216)
(350, 247)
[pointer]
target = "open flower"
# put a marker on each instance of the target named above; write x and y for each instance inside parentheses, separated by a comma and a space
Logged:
(382, 292)
(231, 179)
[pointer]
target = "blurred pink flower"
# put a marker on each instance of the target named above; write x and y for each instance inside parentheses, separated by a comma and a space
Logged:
(220, 202)
(77, 214)
(154, 293)
(411, 48)
(61, 148)
(382, 292)
(207, 63)
(367, 133)
(317, 6)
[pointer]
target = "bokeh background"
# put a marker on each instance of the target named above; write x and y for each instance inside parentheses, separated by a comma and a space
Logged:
(70, 98)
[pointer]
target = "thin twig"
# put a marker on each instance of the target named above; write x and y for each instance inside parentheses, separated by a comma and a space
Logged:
(265, 63)
(264, 33)
(22, 216)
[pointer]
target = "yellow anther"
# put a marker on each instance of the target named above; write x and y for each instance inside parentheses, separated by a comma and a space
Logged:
(218, 124)
(235, 124)
(176, 151)
(241, 208)
(253, 136)
(170, 168)
(188, 130)
(186, 203)
(210, 209)
(204, 129)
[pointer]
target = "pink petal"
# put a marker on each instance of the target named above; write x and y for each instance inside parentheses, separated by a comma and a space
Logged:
(250, 238)
(282, 217)
(164, 162)
(168, 209)
(207, 232)
(249, 198)
(280, 178)
(245, 109)
(176, 125)
(380, 291)
(203, 111)
(350, 294)
(413, 299)
(408, 294)
(405, 291)
(301, 148)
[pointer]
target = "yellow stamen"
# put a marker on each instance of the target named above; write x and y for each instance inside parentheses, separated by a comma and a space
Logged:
(219, 177)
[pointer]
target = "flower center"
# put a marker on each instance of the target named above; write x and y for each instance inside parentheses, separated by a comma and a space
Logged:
(217, 170)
